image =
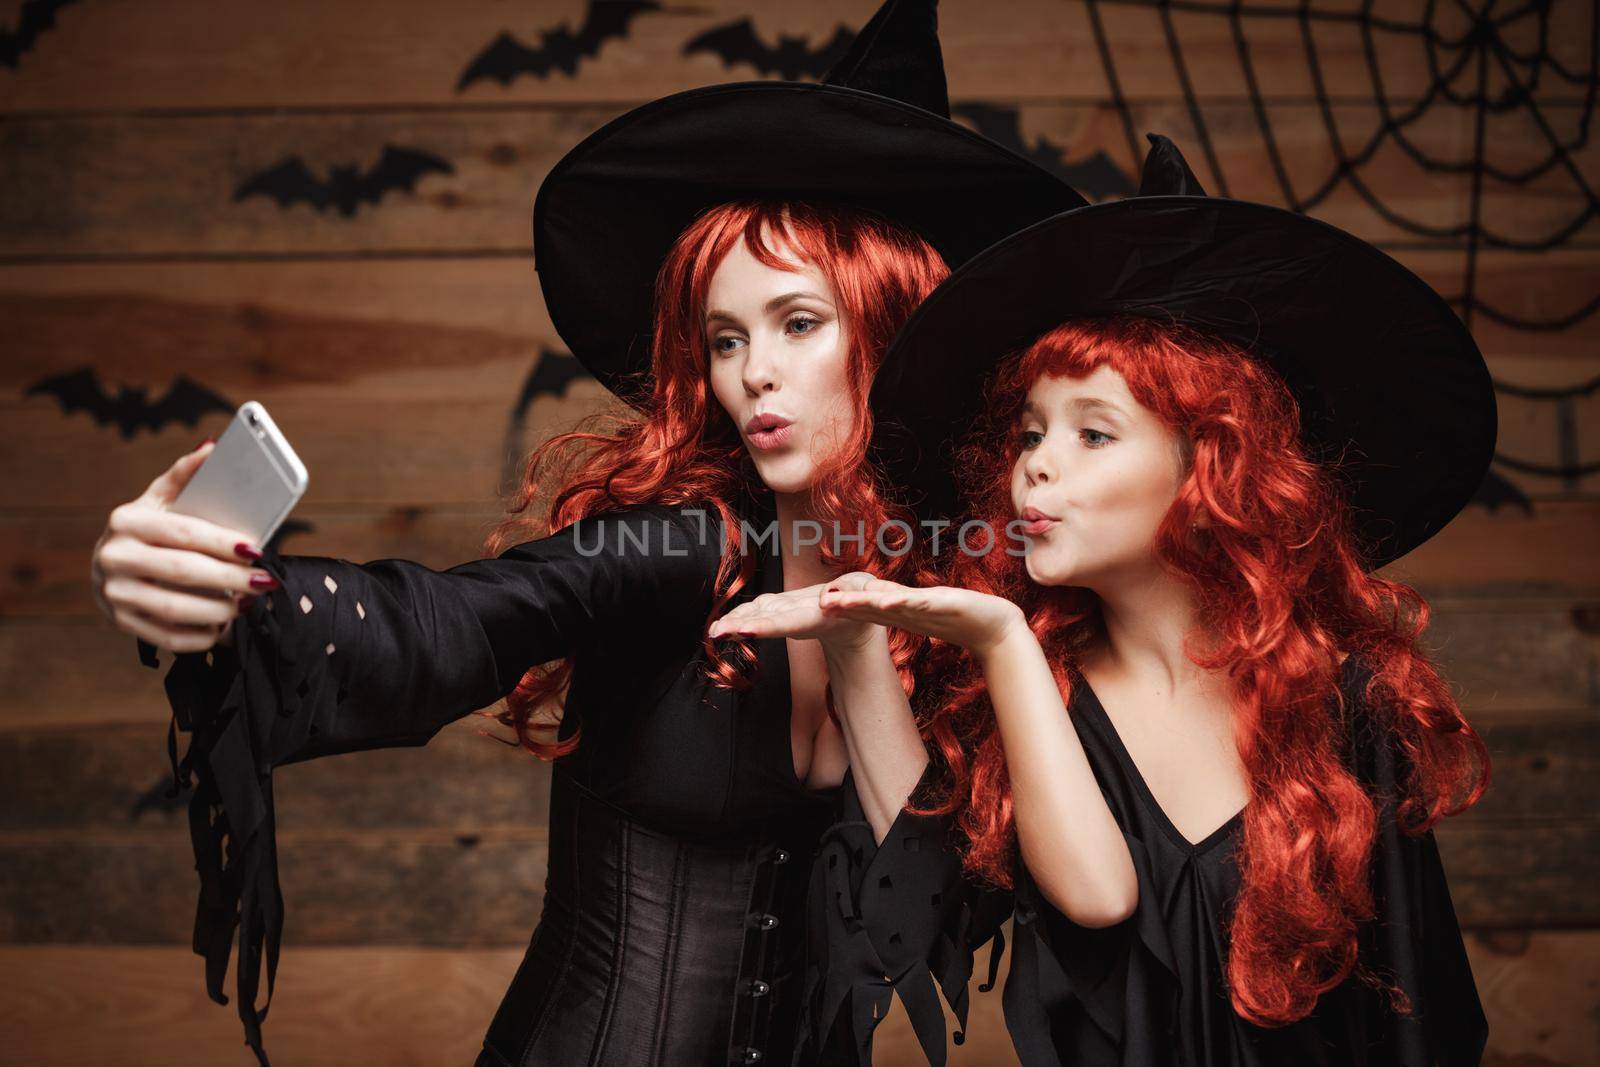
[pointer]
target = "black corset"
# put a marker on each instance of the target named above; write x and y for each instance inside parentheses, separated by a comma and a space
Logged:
(656, 949)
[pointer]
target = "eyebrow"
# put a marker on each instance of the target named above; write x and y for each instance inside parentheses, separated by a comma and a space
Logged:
(772, 305)
(1081, 403)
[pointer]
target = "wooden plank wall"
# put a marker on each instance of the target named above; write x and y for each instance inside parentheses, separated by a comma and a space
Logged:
(391, 345)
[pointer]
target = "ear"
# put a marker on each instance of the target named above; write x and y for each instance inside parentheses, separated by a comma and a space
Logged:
(1199, 517)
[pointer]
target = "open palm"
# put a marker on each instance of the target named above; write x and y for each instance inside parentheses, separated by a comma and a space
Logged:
(973, 620)
(794, 613)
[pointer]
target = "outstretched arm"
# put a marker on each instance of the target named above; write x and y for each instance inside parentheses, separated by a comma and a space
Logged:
(1066, 833)
(348, 656)
(384, 653)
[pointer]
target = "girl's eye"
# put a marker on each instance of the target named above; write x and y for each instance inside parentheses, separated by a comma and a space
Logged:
(806, 321)
(1095, 438)
(1030, 438)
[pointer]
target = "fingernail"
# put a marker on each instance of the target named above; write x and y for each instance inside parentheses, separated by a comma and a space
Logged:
(246, 551)
(263, 581)
(202, 444)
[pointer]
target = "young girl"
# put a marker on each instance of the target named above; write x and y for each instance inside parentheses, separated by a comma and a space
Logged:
(693, 783)
(1222, 417)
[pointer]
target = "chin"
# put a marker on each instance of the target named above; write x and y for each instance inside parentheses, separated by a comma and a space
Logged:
(1046, 567)
(787, 475)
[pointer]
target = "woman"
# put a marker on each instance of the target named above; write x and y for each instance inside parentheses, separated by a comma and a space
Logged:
(1222, 417)
(692, 783)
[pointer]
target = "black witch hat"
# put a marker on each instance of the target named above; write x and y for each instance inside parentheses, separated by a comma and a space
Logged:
(1393, 391)
(875, 134)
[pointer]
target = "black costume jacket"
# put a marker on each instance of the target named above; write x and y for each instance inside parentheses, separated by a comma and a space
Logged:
(1149, 992)
(673, 929)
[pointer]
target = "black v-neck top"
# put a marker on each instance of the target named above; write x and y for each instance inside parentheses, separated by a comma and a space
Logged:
(674, 919)
(1150, 991)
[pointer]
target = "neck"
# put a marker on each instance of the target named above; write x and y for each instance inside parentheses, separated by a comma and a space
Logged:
(1148, 622)
(802, 564)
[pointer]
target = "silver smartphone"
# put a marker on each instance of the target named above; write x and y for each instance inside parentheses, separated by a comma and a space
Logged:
(251, 480)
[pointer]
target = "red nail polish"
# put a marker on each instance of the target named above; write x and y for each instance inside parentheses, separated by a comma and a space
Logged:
(203, 444)
(244, 550)
(263, 581)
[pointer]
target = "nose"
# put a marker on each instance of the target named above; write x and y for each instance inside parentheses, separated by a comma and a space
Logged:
(1037, 466)
(760, 371)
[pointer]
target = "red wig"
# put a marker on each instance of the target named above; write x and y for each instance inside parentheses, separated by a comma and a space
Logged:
(680, 446)
(1283, 596)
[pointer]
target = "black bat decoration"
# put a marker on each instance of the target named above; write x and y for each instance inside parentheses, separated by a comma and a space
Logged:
(736, 42)
(36, 17)
(1097, 177)
(346, 188)
(166, 797)
(128, 409)
(1496, 492)
(550, 377)
(559, 49)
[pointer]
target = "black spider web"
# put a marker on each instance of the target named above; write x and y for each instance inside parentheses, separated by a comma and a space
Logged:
(1499, 77)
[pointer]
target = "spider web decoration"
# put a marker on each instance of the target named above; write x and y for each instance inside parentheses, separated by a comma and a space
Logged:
(1488, 63)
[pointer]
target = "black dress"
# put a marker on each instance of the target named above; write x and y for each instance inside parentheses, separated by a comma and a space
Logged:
(1149, 992)
(680, 836)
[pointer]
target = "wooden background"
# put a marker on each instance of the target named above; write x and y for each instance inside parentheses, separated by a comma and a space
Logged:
(392, 345)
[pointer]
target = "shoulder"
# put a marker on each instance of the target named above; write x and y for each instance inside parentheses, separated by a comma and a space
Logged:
(686, 523)
(683, 541)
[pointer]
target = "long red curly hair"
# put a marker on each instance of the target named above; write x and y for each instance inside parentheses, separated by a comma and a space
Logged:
(678, 446)
(1283, 594)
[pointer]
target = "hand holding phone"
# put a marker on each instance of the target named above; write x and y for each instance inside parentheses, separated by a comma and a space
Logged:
(177, 577)
(250, 482)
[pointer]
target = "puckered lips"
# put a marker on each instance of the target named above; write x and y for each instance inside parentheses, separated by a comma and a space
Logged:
(1036, 522)
(768, 430)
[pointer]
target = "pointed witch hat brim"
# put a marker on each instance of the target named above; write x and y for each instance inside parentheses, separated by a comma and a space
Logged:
(875, 135)
(1393, 392)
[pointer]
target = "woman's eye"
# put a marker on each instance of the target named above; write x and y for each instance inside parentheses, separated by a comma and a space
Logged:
(806, 321)
(1095, 438)
(725, 344)
(1030, 438)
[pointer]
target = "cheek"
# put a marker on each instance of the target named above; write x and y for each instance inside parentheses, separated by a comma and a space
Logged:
(1113, 503)
(1141, 493)
(827, 383)
(725, 384)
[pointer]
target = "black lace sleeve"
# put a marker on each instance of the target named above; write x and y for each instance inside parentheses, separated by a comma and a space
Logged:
(346, 656)
(891, 917)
